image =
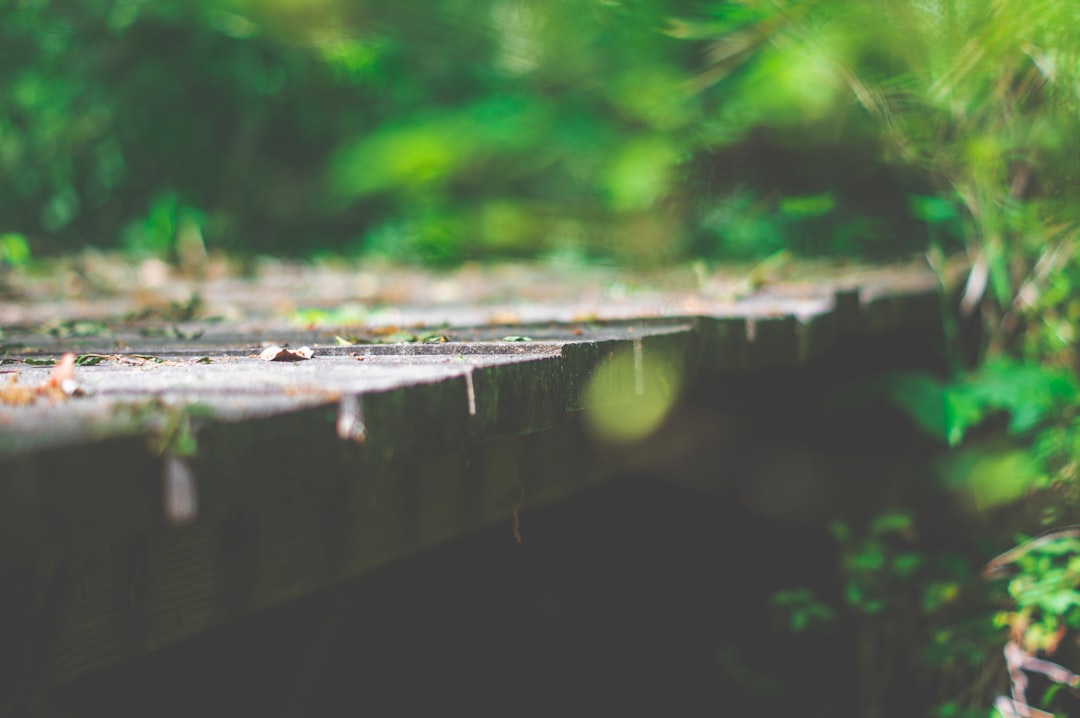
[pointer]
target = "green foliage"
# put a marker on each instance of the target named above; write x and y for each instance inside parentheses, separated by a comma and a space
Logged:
(746, 224)
(437, 131)
(1028, 393)
(1008, 423)
(985, 477)
(906, 601)
(884, 569)
(873, 563)
(982, 102)
(1048, 580)
(802, 609)
(287, 126)
(446, 130)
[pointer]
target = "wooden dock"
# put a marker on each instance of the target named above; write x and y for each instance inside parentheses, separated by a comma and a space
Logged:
(188, 480)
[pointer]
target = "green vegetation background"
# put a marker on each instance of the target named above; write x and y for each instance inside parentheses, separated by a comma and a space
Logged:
(436, 131)
(640, 131)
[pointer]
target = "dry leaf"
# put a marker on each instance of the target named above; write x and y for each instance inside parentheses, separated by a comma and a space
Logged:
(283, 354)
(14, 394)
(63, 376)
(60, 385)
(504, 317)
(384, 331)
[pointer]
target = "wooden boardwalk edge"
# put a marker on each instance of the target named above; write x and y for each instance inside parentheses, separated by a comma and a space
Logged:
(98, 566)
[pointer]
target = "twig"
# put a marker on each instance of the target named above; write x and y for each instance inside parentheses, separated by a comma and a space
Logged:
(994, 567)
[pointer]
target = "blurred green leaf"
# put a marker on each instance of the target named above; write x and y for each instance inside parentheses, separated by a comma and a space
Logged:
(906, 564)
(808, 206)
(639, 174)
(986, 478)
(939, 409)
(892, 523)
(802, 609)
(1029, 392)
(933, 210)
(14, 249)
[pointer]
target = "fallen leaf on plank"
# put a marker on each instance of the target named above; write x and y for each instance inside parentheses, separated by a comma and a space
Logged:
(284, 354)
(60, 385)
(15, 394)
(63, 376)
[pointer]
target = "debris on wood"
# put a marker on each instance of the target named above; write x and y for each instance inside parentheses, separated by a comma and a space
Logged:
(89, 359)
(276, 353)
(16, 395)
(60, 385)
(179, 491)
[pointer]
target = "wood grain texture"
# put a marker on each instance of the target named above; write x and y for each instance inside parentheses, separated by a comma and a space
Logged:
(90, 611)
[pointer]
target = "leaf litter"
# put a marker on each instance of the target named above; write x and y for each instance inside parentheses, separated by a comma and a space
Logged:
(59, 386)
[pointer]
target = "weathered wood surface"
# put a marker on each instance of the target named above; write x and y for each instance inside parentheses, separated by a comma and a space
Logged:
(147, 357)
(115, 540)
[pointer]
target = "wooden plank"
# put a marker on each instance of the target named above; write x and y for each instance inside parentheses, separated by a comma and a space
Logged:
(774, 341)
(98, 608)
(46, 503)
(725, 343)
